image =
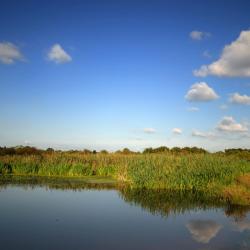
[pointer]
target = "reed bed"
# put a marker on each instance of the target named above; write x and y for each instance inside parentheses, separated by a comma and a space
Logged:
(171, 171)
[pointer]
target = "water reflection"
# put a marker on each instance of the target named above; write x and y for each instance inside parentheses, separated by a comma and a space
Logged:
(165, 203)
(203, 230)
(124, 218)
(75, 184)
(157, 202)
(242, 225)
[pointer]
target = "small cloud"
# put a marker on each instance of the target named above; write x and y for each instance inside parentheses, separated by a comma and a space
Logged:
(201, 134)
(27, 142)
(201, 92)
(199, 35)
(149, 130)
(138, 139)
(177, 131)
(228, 124)
(193, 109)
(10, 53)
(223, 106)
(233, 62)
(203, 230)
(58, 55)
(206, 54)
(236, 98)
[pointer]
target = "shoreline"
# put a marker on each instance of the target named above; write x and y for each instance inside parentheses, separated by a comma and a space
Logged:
(223, 176)
(231, 195)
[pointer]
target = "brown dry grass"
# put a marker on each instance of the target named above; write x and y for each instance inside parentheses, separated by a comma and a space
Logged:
(237, 194)
(244, 180)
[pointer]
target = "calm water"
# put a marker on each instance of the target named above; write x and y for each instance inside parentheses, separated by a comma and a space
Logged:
(45, 216)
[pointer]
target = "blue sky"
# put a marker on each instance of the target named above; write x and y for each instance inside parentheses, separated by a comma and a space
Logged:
(114, 74)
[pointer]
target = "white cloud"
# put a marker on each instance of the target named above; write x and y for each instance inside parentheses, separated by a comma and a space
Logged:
(9, 53)
(27, 142)
(177, 131)
(58, 55)
(201, 134)
(149, 130)
(203, 230)
(206, 54)
(200, 92)
(240, 99)
(198, 35)
(234, 60)
(223, 106)
(228, 124)
(193, 109)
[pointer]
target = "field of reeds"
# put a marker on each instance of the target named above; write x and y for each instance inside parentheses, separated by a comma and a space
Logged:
(227, 175)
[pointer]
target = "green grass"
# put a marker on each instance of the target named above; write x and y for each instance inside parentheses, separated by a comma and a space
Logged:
(216, 173)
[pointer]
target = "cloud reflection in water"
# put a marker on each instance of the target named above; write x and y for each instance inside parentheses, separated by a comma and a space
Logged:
(203, 230)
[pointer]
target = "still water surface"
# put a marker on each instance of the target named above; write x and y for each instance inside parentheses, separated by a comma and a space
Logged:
(53, 217)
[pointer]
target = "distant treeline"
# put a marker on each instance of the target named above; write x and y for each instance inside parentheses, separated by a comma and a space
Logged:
(28, 150)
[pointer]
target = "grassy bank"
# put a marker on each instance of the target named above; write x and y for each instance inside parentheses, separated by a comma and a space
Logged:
(219, 174)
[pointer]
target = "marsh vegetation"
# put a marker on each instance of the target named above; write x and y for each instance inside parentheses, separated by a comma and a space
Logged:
(224, 175)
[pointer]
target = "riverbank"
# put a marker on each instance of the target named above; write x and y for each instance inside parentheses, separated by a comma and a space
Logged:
(225, 176)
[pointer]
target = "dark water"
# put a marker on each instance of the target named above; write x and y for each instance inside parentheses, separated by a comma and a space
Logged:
(75, 216)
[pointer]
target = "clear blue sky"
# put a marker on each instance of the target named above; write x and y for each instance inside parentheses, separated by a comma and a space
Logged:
(125, 76)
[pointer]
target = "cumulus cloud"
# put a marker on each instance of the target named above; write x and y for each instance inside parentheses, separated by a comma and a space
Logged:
(193, 109)
(228, 124)
(199, 35)
(149, 130)
(201, 92)
(236, 98)
(58, 55)
(177, 131)
(234, 60)
(201, 134)
(9, 53)
(203, 230)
